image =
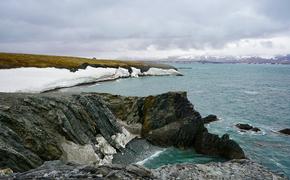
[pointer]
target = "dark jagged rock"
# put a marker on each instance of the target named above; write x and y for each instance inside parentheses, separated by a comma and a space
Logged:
(210, 118)
(171, 120)
(212, 144)
(167, 119)
(89, 127)
(244, 126)
(247, 127)
(285, 131)
(256, 129)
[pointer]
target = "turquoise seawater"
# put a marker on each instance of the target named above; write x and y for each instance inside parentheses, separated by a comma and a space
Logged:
(237, 93)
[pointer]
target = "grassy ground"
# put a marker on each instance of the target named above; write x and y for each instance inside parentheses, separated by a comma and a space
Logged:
(11, 60)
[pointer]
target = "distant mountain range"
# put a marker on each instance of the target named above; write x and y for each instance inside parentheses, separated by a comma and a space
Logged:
(281, 59)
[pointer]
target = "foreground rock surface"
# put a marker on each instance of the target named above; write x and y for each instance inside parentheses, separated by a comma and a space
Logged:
(90, 128)
(235, 169)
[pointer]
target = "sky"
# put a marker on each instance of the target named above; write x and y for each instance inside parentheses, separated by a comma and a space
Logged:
(145, 29)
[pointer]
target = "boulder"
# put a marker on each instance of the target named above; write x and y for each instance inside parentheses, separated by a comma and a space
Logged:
(285, 131)
(210, 118)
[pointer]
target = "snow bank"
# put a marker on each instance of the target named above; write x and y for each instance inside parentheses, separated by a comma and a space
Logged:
(154, 72)
(43, 79)
(161, 72)
(135, 72)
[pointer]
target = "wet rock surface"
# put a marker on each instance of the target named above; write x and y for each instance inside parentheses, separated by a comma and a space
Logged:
(247, 127)
(285, 131)
(210, 118)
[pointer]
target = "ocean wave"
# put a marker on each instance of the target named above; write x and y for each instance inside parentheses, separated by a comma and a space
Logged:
(251, 92)
(156, 154)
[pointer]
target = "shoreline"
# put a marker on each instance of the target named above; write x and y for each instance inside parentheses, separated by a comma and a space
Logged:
(82, 130)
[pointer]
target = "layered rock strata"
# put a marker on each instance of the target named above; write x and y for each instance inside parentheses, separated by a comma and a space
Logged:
(89, 128)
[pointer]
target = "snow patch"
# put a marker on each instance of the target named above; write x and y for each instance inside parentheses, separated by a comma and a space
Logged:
(104, 146)
(135, 72)
(43, 79)
(123, 138)
(106, 149)
(161, 72)
(121, 73)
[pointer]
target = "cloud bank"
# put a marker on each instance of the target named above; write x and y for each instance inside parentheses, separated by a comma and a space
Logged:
(145, 29)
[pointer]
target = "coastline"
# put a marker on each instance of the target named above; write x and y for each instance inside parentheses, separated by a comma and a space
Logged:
(181, 126)
(82, 130)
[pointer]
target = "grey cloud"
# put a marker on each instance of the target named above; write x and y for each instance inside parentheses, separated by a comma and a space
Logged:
(72, 26)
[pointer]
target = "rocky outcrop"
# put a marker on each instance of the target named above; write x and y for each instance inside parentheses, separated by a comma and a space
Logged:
(210, 118)
(90, 128)
(247, 127)
(285, 131)
(212, 144)
(38, 128)
(171, 120)
(235, 169)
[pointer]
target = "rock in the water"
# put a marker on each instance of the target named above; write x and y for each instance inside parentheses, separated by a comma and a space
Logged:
(285, 131)
(247, 127)
(210, 118)
(256, 129)
(212, 144)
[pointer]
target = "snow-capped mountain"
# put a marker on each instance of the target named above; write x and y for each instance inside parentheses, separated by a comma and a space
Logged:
(280, 59)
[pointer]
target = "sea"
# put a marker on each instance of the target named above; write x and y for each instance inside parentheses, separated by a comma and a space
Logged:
(256, 94)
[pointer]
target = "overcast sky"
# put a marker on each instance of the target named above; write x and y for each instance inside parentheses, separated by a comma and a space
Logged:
(145, 29)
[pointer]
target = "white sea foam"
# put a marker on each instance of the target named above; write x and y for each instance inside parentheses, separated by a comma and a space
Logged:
(251, 92)
(156, 154)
